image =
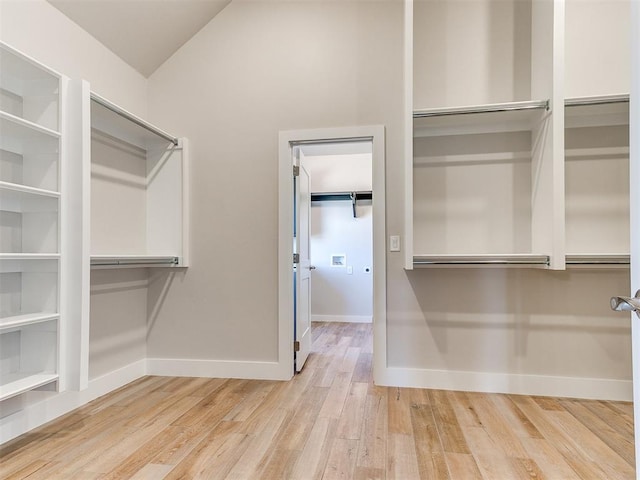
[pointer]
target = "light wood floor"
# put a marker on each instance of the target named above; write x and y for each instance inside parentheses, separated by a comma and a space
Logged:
(328, 422)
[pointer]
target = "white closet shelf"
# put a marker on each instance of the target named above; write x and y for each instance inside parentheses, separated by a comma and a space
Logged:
(29, 256)
(17, 70)
(109, 118)
(502, 260)
(13, 126)
(26, 319)
(15, 384)
(16, 187)
(487, 118)
(20, 198)
(123, 261)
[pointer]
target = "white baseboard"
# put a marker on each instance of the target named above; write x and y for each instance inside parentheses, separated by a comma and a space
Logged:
(342, 318)
(553, 386)
(41, 412)
(172, 367)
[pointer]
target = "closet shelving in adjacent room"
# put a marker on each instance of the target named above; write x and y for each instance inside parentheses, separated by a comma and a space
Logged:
(139, 195)
(597, 185)
(31, 126)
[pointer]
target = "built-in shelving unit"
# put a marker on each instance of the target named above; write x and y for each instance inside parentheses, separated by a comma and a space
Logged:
(139, 196)
(596, 180)
(482, 176)
(473, 184)
(30, 224)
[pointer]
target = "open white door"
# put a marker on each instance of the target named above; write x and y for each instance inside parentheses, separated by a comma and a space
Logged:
(302, 326)
(634, 191)
(633, 303)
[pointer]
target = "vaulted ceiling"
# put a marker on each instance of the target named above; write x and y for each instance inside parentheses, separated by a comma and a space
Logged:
(144, 33)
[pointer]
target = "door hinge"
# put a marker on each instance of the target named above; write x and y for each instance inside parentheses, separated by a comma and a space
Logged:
(296, 346)
(296, 171)
(296, 258)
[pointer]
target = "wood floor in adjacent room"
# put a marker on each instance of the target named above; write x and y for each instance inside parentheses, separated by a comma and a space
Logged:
(328, 422)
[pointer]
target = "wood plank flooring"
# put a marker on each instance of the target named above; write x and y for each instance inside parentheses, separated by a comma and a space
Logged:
(329, 422)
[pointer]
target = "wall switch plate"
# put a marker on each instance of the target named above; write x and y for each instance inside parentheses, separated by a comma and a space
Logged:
(349, 270)
(394, 243)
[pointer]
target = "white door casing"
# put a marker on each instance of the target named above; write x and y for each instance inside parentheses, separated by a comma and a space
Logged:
(288, 140)
(303, 270)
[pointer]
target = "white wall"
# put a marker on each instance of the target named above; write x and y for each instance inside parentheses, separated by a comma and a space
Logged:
(336, 294)
(258, 68)
(472, 52)
(598, 47)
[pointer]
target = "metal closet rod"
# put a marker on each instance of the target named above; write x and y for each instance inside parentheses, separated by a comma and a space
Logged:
(132, 118)
(497, 107)
(99, 262)
(426, 260)
(604, 100)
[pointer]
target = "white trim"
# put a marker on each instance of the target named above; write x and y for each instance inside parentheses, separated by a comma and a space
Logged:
(342, 318)
(552, 386)
(408, 135)
(42, 412)
(171, 367)
(285, 246)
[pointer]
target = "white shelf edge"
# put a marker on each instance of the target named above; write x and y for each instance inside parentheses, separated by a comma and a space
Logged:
(29, 125)
(16, 187)
(29, 256)
(27, 319)
(133, 119)
(486, 108)
(32, 61)
(26, 384)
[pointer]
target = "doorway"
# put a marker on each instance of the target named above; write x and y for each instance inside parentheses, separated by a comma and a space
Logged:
(294, 303)
(333, 205)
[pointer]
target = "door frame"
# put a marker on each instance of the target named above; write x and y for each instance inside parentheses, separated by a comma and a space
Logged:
(288, 139)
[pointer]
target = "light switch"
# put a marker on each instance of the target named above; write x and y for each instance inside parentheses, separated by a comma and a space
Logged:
(349, 270)
(394, 243)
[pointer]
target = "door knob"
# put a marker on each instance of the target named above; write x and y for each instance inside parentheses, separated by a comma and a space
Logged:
(312, 267)
(628, 304)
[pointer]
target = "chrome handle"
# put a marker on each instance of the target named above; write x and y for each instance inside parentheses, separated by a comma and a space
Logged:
(626, 304)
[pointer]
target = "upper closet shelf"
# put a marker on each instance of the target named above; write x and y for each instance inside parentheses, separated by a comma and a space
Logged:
(606, 110)
(117, 122)
(496, 117)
